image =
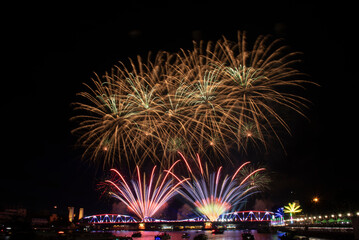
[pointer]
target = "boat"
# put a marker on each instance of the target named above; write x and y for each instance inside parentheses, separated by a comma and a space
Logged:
(200, 236)
(301, 238)
(124, 238)
(291, 236)
(286, 236)
(218, 231)
(185, 235)
(136, 234)
(247, 236)
(163, 236)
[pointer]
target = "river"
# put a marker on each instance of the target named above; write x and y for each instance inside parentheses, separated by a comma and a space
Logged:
(227, 235)
(146, 235)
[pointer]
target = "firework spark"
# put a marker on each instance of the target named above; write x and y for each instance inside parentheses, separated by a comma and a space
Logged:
(245, 88)
(213, 195)
(216, 97)
(144, 197)
(122, 113)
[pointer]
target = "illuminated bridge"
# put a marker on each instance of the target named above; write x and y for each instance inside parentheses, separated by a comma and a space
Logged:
(238, 219)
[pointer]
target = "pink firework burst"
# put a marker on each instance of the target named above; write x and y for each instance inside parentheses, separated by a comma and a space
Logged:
(144, 197)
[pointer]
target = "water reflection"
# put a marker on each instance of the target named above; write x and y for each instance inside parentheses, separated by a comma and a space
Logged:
(227, 235)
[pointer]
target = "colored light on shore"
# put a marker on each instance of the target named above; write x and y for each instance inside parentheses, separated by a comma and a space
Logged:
(292, 208)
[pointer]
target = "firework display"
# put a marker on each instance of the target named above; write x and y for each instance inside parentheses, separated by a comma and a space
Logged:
(213, 195)
(216, 97)
(210, 194)
(144, 197)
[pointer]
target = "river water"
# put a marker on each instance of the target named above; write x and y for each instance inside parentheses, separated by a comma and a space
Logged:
(227, 235)
(149, 235)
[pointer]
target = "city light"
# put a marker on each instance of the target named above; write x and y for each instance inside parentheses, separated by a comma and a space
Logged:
(291, 209)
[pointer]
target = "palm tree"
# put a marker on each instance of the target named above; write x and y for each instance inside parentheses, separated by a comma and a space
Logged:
(291, 209)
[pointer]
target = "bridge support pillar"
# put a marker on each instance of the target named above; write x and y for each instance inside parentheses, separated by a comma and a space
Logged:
(141, 226)
(355, 222)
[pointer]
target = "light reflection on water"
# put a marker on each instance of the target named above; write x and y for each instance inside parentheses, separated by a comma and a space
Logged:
(227, 235)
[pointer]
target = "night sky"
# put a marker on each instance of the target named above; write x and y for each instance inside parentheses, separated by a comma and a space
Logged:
(52, 50)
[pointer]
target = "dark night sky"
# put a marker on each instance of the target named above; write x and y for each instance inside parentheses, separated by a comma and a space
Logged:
(52, 50)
